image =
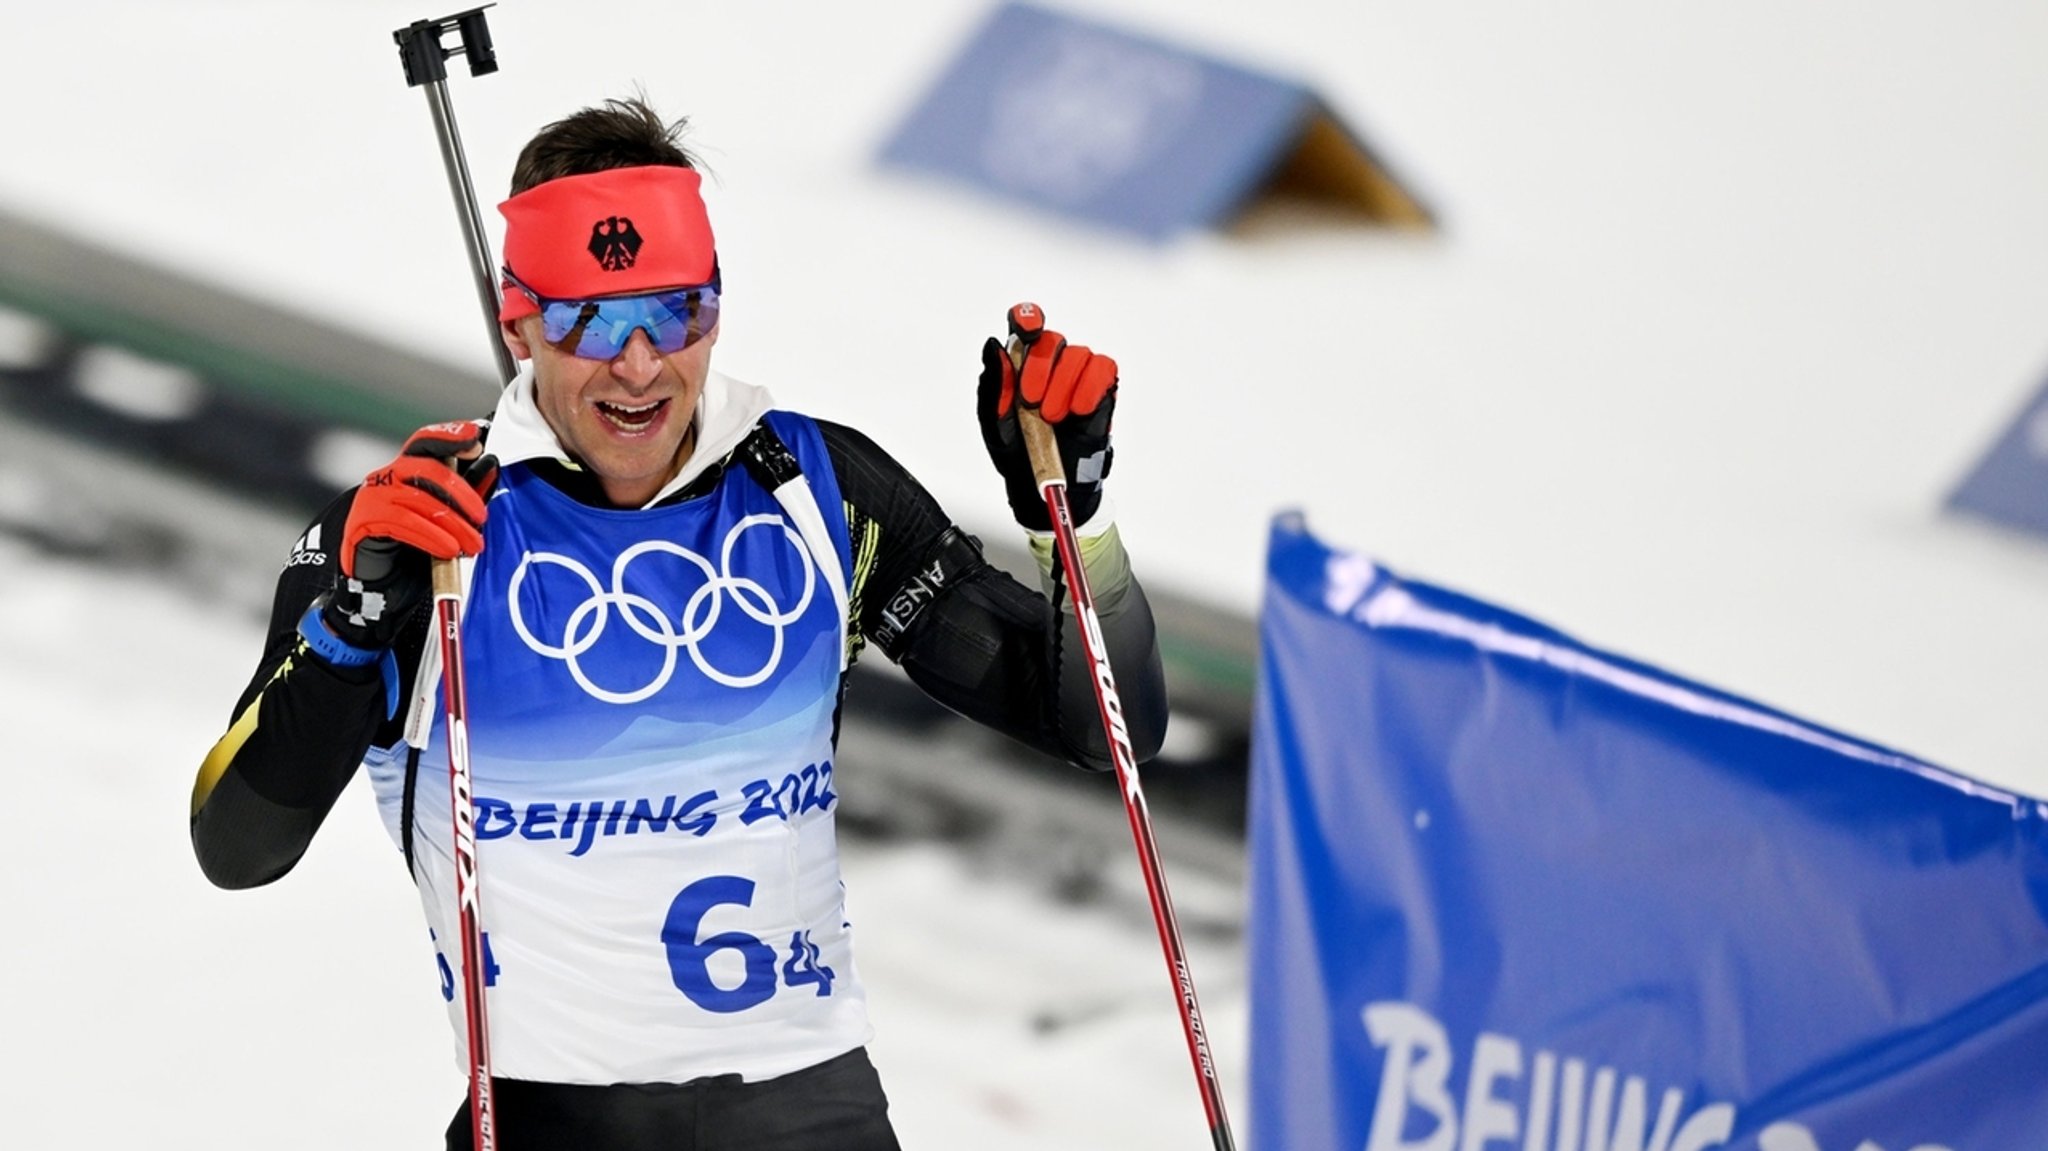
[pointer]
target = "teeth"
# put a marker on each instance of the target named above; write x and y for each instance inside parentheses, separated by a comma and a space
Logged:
(629, 419)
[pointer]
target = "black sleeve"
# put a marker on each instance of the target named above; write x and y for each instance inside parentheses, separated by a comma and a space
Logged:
(975, 639)
(297, 734)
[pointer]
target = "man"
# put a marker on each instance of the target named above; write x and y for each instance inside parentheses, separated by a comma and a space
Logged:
(670, 582)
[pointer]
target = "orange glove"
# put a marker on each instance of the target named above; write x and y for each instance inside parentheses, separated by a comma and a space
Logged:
(427, 503)
(1073, 389)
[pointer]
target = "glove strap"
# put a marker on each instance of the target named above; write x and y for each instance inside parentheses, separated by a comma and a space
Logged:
(329, 646)
(338, 652)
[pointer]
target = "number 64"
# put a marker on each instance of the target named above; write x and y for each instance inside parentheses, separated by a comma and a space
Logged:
(689, 957)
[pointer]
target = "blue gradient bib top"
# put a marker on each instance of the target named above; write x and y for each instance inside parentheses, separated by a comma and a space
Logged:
(651, 700)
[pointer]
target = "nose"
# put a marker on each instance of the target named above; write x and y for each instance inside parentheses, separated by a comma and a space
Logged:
(637, 363)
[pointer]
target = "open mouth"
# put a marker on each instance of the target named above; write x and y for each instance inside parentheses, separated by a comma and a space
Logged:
(631, 418)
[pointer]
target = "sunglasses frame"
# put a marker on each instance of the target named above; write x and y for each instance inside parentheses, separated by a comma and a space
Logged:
(589, 308)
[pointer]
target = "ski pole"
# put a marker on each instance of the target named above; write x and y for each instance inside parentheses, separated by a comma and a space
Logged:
(1027, 322)
(425, 60)
(419, 48)
(468, 899)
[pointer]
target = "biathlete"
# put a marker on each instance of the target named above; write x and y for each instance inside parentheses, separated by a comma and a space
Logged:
(668, 580)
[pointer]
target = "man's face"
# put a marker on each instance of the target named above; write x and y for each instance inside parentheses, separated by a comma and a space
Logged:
(628, 418)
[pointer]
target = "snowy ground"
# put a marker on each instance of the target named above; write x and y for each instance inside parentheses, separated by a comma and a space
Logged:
(1727, 298)
(307, 1014)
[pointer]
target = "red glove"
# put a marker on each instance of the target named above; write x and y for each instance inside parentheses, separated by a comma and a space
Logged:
(1073, 389)
(421, 500)
(1058, 378)
(429, 502)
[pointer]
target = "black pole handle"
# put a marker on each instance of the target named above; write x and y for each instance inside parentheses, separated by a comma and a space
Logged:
(426, 61)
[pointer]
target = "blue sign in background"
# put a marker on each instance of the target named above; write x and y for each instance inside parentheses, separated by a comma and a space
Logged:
(1502, 880)
(1103, 124)
(2010, 484)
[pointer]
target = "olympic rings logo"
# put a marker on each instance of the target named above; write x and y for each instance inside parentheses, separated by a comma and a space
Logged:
(700, 614)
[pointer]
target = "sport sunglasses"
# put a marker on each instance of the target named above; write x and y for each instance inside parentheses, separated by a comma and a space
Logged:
(598, 329)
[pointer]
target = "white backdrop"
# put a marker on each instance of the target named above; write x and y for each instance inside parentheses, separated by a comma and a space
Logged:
(1727, 297)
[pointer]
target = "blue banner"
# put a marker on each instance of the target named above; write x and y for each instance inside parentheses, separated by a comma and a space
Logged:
(1513, 893)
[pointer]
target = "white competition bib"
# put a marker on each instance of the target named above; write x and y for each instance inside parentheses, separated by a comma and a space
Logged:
(651, 699)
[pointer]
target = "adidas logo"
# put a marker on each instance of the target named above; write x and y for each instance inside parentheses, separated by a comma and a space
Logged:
(307, 550)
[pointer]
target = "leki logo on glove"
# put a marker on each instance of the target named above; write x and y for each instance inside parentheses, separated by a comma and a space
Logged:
(690, 629)
(615, 243)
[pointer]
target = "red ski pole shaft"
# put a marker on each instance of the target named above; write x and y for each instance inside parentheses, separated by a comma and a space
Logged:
(425, 60)
(448, 626)
(1043, 449)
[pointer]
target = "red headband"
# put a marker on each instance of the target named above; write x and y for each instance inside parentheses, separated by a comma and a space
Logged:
(606, 233)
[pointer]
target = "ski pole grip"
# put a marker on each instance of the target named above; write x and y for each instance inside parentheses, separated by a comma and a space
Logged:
(447, 574)
(426, 61)
(1027, 321)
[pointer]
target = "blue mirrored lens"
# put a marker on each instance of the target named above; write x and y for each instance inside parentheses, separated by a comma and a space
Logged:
(600, 329)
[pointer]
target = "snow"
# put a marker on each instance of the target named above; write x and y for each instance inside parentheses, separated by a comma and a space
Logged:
(309, 1011)
(1726, 299)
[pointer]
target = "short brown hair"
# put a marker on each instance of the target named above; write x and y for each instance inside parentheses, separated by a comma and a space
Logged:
(614, 134)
